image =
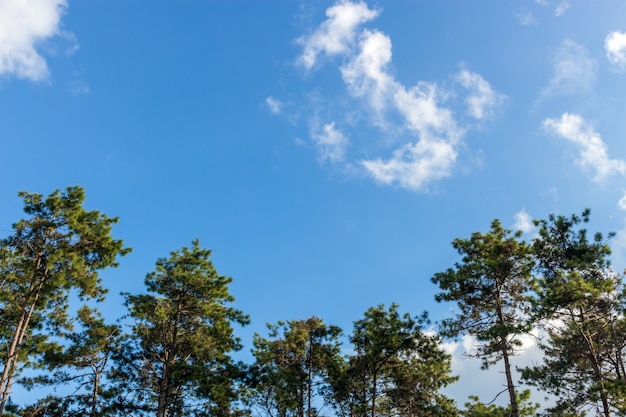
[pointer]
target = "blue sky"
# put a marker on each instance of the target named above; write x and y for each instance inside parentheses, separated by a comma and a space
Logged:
(328, 152)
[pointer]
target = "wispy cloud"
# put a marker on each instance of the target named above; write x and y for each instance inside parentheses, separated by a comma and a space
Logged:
(561, 8)
(79, 88)
(331, 143)
(24, 25)
(622, 202)
(482, 99)
(336, 34)
(574, 70)
(430, 132)
(274, 105)
(615, 46)
(526, 18)
(593, 150)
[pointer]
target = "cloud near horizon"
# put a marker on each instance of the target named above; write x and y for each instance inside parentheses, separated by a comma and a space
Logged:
(523, 222)
(430, 131)
(593, 150)
(25, 24)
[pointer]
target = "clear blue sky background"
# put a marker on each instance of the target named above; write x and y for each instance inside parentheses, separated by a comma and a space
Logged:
(327, 152)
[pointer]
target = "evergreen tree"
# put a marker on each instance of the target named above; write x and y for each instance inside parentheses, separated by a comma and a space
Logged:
(397, 369)
(82, 368)
(57, 249)
(491, 286)
(291, 366)
(582, 303)
(177, 362)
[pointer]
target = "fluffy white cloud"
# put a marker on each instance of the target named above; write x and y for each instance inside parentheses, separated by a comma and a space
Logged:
(425, 132)
(274, 105)
(365, 73)
(482, 99)
(593, 150)
(414, 165)
(331, 143)
(523, 222)
(574, 70)
(336, 34)
(24, 25)
(615, 46)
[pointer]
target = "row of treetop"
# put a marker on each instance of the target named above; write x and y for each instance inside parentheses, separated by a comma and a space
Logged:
(170, 355)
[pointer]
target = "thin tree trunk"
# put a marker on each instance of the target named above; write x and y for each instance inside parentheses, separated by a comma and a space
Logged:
(374, 395)
(505, 356)
(509, 382)
(595, 361)
(6, 381)
(94, 393)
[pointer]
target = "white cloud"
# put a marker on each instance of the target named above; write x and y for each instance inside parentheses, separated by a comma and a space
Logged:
(336, 34)
(593, 151)
(523, 222)
(574, 70)
(365, 74)
(24, 25)
(482, 99)
(486, 384)
(622, 202)
(561, 8)
(414, 165)
(274, 105)
(424, 131)
(331, 143)
(615, 46)
(432, 156)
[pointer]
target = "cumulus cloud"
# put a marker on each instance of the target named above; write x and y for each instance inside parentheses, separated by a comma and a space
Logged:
(593, 150)
(414, 165)
(523, 222)
(482, 99)
(336, 34)
(365, 74)
(574, 70)
(331, 143)
(417, 117)
(274, 105)
(615, 46)
(24, 25)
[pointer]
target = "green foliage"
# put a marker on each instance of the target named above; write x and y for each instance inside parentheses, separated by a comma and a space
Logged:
(58, 248)
(474, 408)
(581, 303)
(82, 366)
(291, 366)
(177, 360)
(397, 368)
(491, 287)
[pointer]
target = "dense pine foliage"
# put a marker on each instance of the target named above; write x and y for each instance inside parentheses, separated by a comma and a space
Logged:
(174, 359)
